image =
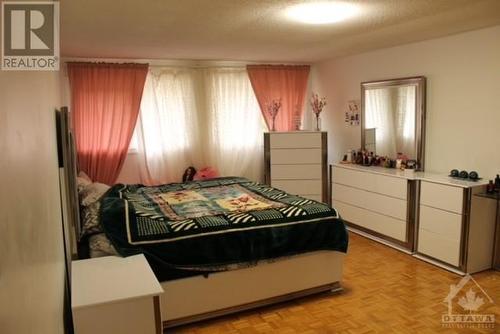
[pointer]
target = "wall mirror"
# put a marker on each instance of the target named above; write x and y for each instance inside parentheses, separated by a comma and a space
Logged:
(393, 118)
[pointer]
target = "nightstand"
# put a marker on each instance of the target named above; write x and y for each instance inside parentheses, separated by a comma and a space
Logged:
(115, 295)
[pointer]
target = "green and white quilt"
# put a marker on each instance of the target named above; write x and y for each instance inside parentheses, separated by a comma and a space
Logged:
(219, 221)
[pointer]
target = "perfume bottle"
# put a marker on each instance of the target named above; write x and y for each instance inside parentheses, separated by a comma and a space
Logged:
(490, 188)
(359, 159)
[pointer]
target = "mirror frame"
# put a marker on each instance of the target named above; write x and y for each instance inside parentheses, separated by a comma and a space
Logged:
(420, 96)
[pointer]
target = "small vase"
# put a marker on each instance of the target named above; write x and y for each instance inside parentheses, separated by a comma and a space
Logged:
(273, 127)
(318, 123)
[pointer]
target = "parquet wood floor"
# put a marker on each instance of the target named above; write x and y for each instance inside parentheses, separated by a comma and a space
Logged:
(385, 291)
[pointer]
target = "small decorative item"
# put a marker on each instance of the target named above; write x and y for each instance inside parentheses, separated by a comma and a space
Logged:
(497, 183)
(490, 188)
(352, 117)
(189, 174)
(206, 173)
(411, 164)
(463, 175)
(317, 105)
(272, 109)
(474, 176)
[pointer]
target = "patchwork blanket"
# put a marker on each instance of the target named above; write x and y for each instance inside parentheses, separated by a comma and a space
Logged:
(216, 222)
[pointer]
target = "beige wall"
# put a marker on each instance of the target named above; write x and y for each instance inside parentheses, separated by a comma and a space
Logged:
(463, 97)
(31, 247)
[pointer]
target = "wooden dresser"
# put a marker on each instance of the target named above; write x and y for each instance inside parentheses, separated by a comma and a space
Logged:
(455, 228)
(436, 218)
(296, 162)
(375, 201)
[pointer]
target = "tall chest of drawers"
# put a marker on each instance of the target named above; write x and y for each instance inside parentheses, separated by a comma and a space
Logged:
(296, 162)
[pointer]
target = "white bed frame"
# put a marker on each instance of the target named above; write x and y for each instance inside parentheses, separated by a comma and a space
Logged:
(196, 298)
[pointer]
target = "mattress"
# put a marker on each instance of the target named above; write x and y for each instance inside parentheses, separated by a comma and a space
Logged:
(204, 226)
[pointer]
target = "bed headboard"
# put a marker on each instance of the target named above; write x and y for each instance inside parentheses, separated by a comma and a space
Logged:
(67, 179)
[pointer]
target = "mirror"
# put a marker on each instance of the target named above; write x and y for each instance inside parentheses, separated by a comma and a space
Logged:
(393, 118)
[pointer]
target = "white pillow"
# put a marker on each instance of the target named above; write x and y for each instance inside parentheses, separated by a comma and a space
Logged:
(92, 192)
(82, 180)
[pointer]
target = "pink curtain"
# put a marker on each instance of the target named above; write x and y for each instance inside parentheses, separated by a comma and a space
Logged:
(285, 82)
(105, 101)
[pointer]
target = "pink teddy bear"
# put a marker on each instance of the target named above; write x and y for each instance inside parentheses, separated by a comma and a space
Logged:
(206, 173)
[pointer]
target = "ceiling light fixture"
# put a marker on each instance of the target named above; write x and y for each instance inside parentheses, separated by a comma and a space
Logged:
(321, 12)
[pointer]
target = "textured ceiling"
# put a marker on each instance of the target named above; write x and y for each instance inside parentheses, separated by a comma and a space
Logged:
(255, 30)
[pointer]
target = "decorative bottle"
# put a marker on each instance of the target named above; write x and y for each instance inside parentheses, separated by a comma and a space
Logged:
(490, 188)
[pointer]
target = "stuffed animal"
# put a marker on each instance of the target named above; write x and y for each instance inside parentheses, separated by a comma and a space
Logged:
(189, 174)
(206, 173)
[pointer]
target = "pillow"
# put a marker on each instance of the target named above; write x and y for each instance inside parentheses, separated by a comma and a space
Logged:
(90, 219)
(82, 180)
(92, 192)
(100, 245)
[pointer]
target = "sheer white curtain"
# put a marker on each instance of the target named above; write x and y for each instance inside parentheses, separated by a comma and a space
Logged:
(167, 127)
(198, 117)
(379, 115)
(405, 116)
(235, 124)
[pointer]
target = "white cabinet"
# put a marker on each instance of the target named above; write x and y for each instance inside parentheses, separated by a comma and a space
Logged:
(115, 295)
(374, 200)
(455, 228)
(296, 163)
(436, 217)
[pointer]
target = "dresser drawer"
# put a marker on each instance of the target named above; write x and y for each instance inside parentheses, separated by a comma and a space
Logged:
(385, 185)
(295, 140)
(309, 187)
(385, 225)
(439, 247)
(441, 196)
(389, 206)
(295, 172)
(296, 156)
(444, 223)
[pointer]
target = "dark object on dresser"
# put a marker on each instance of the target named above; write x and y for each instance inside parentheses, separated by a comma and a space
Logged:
(463, 174)
(473, 176)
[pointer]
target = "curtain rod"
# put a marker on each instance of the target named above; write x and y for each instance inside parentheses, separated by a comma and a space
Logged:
(188, 63)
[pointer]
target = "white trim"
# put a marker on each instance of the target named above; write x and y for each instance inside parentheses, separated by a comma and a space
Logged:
(439, 264)
(380, 240)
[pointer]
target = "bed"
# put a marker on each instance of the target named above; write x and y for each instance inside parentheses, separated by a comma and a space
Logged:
(222, 245)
